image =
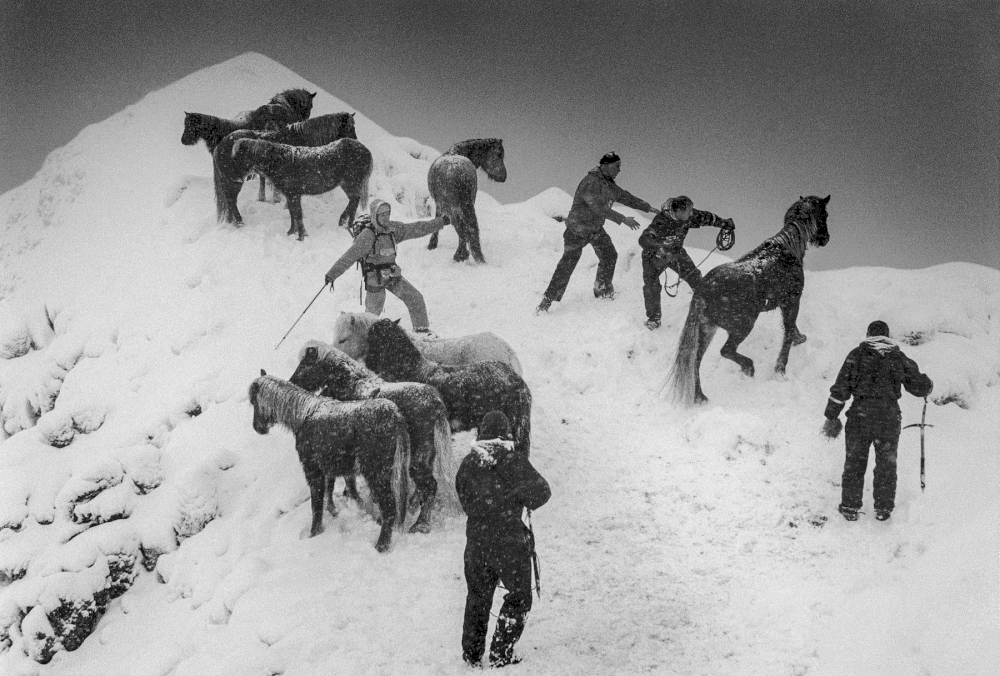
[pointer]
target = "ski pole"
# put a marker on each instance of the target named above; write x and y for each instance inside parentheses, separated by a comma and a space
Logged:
(922, 424)
(300, 316)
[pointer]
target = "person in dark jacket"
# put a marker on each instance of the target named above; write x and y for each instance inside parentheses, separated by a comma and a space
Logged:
(585, 225)
(495, 484)
(663, 247)
(872, 373)
(374, 246)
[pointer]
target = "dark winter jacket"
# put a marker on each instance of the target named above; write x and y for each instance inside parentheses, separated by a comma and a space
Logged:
(873, 373)
(667, 234)
(592, 203)
(495, 484)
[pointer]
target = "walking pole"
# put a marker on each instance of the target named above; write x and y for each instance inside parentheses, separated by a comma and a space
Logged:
(922, 424)
(300, 316)
(534, 559)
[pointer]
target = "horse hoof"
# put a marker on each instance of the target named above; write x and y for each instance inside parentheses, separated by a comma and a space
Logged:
(799, 339)
(419, 527)
(700, 399)
(381, 547)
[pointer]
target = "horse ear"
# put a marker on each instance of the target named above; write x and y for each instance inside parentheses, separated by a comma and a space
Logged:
(801, 198)
(312, 354)
(263, 372)
(397, 321)
(313, 95)
(342, 312)
(826, 200)
(353, 114)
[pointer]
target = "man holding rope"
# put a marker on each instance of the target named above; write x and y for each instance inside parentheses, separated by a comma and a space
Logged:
(663, 247)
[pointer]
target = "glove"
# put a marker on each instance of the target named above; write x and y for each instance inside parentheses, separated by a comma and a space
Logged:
(631, 223)
(329, 280)
(728, 223)
(832, 427)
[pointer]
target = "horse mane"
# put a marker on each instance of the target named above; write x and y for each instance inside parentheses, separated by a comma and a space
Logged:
(800, 228)
(299, 101)
(321, 130)
(476, 149)
(284, 403)
(399, 343)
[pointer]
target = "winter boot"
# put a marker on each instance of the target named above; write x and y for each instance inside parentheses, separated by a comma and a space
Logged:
(882, 514)
(543, 306)
(849, 513)
(425, 332)
(508, 631)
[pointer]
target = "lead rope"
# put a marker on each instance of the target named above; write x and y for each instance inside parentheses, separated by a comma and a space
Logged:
(723, 242)
(666, 289)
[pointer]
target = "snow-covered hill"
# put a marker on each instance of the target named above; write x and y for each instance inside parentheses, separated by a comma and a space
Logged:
(146, 529)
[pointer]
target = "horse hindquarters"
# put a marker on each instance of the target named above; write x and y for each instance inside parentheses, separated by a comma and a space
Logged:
(685, 374)
(385, 465)
(227, 191)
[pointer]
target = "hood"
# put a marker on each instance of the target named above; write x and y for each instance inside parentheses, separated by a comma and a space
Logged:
(880, 345)
(486, 452)
(373, 208)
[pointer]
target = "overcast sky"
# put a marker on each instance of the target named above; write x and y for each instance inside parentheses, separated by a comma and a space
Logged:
(892, 107)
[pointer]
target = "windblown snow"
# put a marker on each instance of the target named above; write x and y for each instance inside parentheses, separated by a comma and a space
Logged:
(146, 529)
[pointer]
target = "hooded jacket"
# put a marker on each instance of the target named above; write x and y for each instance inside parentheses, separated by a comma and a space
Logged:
(495, 484)
(873, 373)
(592, 203)
(364, 243)
(668, 234)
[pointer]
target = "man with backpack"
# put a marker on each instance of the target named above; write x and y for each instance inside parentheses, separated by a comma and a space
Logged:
(374, 246)
(872, 373)
(592, 203)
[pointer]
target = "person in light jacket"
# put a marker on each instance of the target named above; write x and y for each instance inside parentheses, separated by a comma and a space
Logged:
(375, 240)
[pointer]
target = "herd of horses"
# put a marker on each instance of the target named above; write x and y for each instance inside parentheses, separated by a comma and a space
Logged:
(383, 403)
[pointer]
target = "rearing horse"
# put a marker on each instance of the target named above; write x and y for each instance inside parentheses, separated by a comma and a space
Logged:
(734, 294)
(453, 184)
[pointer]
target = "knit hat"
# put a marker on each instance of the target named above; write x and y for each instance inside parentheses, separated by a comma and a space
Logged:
(878, 328)
(679, 203)
(494, 426)
(610, 158)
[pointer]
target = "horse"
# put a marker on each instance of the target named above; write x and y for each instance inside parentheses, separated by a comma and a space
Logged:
(295, 171)
(453, 184)
(469, 391)
(325, 368)
(317, 131)
(350, 335)
(337, 438)
(291, 105)
(287, 107)
(732, 295)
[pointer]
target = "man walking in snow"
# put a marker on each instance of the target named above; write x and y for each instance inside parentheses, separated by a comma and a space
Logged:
(872, 373)
(663, 247)
(495, 484)
(592, 203)
(375, 247)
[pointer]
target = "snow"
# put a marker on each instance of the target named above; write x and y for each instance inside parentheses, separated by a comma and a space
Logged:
(702, 541)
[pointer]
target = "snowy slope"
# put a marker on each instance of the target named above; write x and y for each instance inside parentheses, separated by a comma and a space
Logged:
(700, 541)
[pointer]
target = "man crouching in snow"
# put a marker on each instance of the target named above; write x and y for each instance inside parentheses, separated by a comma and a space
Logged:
(495, 484)
(872, 374)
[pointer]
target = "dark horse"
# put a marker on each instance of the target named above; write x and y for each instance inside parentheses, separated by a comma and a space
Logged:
(453, 184)
(340, 377)
(292, 105)
(295, 171)
(733, 294)
(317, 131)
(469, 391)
(335, 438)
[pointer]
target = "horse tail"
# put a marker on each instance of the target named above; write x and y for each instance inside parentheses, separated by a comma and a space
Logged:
(227, 182)
(401, 473)
(445, 464)
(363, 203)
(683, 375)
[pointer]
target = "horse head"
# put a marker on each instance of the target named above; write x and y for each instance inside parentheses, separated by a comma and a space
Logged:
(347, 129)
(261, 423)
(190, 135)
(390, 352)
(819, 213)
(493, 161)
(309, 373)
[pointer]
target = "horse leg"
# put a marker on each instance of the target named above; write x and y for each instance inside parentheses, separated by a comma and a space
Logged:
(459, 219)
(472, 236)
(262, 192)
(350, 210)
(295, 211)
(380, 482)
(706, 331)
(330, 504)
(792, 336)
(737, 335)
(432, 243)
(422, 472)
(351, 488)
(317, 485)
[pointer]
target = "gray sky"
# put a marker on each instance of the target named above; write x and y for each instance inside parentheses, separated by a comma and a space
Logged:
(892, 107)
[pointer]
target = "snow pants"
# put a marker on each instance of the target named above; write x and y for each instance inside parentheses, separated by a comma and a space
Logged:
(573, 244)
(504, 560)
(653, 266)
(863, 431)
(406, 292)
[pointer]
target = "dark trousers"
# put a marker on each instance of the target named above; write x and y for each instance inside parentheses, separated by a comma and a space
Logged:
(653, 266)
(486, 564)
(880, 430)
(573, 245)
